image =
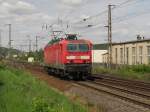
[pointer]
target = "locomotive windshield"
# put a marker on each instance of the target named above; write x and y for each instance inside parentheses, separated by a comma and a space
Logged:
(72, 47)
(78, 47)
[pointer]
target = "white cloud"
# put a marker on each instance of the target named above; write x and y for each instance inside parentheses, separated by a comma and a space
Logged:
(23, 8)
(18, 7)
(72, 2)
(9, 1)
(27, 17)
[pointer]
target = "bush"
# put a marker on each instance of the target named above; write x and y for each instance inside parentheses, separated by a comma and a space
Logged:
(39, 105)
(99, 69)
(2, 67)
(138, 72)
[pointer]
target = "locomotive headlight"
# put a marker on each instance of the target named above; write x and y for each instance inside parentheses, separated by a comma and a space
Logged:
(70, 57)
(85, 57)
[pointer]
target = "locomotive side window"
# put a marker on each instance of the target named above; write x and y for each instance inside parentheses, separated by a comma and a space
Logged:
(78, 47)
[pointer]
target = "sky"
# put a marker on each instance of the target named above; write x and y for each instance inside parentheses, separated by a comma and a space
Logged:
(30, 17)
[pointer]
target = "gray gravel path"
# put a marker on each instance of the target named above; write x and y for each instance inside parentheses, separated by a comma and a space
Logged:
(112, 104)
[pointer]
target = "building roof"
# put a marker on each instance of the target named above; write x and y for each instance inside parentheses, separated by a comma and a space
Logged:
(105, 53)
(134, 41)
(100, 46)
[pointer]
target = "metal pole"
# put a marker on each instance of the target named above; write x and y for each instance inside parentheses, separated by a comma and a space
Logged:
(108, 45)
(9, 43)
(21, 48)
(10, 40)
(0, 38)
(36, 43)
(29, 45)
(110, 34)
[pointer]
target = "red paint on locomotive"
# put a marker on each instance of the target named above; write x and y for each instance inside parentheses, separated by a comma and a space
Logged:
(69, 56)
(58, 53)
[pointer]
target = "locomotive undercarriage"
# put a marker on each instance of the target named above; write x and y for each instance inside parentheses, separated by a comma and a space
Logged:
(72, 71)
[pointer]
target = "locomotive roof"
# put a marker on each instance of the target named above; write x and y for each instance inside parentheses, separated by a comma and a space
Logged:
(80, 41)
(76, 41)
(68, 41)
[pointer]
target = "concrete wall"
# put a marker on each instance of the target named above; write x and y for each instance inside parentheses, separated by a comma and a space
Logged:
(97, 56)
(105, 58)
(130, 58)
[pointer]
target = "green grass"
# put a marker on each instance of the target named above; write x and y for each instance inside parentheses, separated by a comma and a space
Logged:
(20, 92)
(137, 72)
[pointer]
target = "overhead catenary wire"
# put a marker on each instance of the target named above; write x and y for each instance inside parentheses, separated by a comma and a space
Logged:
(118, 6)
(94, 16)
(125, 18)
(74, 9)
(61, 20)
(105, 11)
(100, 25)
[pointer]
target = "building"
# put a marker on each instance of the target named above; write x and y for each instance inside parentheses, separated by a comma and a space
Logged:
(105, 58)
(97, 53)
(131, 52)
(97, 56)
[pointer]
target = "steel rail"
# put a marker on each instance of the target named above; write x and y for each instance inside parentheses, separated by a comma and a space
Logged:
(123, 82)
(129, 99)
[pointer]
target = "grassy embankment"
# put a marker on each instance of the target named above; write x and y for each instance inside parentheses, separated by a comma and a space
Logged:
(20, 92)
(137, 72)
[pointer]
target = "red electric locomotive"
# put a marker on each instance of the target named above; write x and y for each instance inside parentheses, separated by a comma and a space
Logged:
(69, 57)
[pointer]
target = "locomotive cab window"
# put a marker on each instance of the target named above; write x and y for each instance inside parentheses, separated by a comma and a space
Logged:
(72, 47)
(78, 47)
(83, 47)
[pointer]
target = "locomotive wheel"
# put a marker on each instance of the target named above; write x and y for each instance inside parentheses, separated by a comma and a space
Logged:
(63, 74)
(83, 77)
(49, 70)
(76, 76)
(70, 76)
(57, 72)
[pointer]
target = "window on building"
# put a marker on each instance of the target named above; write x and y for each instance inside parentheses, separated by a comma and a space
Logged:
(133, 56)
(127, 55)
(116, 55)
(140, 55)
(148, 54)
(121, 55)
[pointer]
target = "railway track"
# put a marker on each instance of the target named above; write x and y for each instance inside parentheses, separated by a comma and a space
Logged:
(122, 89)
(133, 91)
(126, 95)
(137, 85)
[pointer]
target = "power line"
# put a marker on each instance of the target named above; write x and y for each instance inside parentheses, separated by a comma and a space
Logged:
(73, 10)
(118, 6)
(123, 3)
(124, 18)
(61, 20)
(104, 12)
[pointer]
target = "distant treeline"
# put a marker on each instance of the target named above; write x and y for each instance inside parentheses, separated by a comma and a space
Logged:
(5, 51)
(100, 46)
